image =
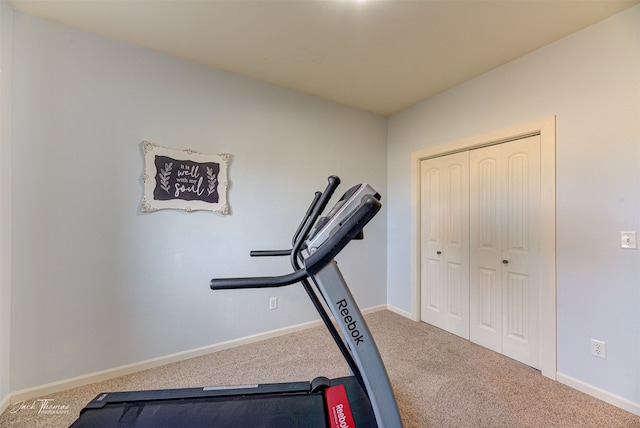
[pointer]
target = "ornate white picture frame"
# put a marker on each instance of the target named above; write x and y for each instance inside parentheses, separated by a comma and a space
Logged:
(184, 180)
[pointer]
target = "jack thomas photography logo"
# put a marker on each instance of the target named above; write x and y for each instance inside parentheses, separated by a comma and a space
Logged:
(43, 406)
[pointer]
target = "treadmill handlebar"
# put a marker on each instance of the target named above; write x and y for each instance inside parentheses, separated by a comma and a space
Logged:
(307, 215)
(258, 281)
(269, 253)
(332, 184)
(368, 208)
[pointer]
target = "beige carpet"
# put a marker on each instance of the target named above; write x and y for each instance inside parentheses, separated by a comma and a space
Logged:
(439, 379)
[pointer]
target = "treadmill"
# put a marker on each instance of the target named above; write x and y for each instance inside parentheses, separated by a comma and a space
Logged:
(364, 400)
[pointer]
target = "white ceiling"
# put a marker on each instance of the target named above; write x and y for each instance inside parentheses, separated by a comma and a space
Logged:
(376, 55)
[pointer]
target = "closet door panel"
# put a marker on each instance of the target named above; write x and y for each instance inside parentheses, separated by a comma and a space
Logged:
(431, 239)
(485, 247)
(520, 250)
(445, 243)
(455, 253)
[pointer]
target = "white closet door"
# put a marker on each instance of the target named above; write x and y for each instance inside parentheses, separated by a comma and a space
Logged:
(486, 251)
(521, 251)
(445, 243)
(504, 250)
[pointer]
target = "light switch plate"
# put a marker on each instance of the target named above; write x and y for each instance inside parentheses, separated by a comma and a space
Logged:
(628, 240)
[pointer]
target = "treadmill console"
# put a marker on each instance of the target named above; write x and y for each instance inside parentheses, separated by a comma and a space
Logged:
(346, 206)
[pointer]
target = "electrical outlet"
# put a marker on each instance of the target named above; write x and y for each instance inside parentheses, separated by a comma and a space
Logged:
(273, 303)
(598, 348)
(628, 240)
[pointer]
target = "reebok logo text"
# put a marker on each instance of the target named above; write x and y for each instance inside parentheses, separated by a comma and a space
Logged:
(350, 322)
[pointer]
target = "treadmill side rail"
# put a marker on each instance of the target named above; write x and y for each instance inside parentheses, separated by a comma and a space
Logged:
(105, 398)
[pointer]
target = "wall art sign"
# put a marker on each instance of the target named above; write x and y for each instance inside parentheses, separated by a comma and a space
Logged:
(184, 180)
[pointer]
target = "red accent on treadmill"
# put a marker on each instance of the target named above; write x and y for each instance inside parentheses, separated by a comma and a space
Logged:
(338, 407)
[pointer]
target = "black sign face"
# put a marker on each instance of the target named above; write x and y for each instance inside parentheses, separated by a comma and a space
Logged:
(186, 180)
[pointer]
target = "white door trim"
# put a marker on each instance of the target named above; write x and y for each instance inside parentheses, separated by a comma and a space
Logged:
(548, 314)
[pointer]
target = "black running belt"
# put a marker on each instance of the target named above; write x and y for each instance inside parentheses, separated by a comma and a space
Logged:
(254, 412)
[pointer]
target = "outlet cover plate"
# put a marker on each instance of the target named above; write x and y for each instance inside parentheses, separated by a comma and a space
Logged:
(598, 348)
(628, 240)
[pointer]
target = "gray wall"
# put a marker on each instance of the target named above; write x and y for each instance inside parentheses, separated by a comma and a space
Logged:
(96, 284)
(591, 82)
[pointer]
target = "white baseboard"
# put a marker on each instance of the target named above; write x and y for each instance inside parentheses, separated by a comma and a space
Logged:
(50, 388)
(374, 309)
(400, 311)
(600, 394)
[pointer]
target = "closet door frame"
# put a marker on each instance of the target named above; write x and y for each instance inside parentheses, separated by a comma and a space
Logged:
(546, 128)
